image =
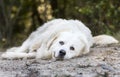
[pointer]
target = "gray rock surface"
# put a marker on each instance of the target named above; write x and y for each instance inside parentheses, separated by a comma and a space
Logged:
(102, 61)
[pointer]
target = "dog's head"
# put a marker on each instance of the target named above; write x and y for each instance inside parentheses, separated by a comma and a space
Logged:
(67, 45)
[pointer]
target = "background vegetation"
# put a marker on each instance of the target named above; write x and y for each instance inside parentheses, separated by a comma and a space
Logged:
(18, 18)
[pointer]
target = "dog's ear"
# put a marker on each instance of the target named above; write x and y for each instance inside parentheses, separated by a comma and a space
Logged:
(51, 40)
(86, 47)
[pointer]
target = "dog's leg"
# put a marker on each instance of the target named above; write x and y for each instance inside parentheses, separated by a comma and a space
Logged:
(18, 55)
(22, 51)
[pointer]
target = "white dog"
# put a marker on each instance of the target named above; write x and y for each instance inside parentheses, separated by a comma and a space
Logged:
(58, 39)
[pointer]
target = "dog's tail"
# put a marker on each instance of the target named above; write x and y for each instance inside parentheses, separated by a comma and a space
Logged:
(104, 40)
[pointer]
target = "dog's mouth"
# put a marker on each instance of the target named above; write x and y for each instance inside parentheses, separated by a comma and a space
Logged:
(58, 58)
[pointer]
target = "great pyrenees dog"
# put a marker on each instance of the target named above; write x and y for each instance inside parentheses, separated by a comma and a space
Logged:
(57, 39)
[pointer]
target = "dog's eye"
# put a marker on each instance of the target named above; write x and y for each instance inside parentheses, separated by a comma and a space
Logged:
(61, 43)
(72, 48)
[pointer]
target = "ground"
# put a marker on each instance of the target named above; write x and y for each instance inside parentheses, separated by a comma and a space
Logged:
(102, 61)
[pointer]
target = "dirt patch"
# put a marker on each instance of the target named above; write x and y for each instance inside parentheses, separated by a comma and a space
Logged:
(103, 61)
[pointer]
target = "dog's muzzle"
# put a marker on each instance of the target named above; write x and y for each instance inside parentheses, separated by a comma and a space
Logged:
(62, 53)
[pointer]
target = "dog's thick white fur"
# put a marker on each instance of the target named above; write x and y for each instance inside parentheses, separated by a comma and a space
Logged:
(58, 39)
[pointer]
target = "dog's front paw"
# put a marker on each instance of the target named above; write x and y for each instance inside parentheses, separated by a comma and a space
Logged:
(7, 55)
(17, 55)
(13, 55)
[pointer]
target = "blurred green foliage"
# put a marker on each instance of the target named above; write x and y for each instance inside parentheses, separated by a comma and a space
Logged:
(20, 17)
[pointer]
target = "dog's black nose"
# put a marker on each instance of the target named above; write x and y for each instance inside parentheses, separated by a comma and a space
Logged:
(62, 53)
